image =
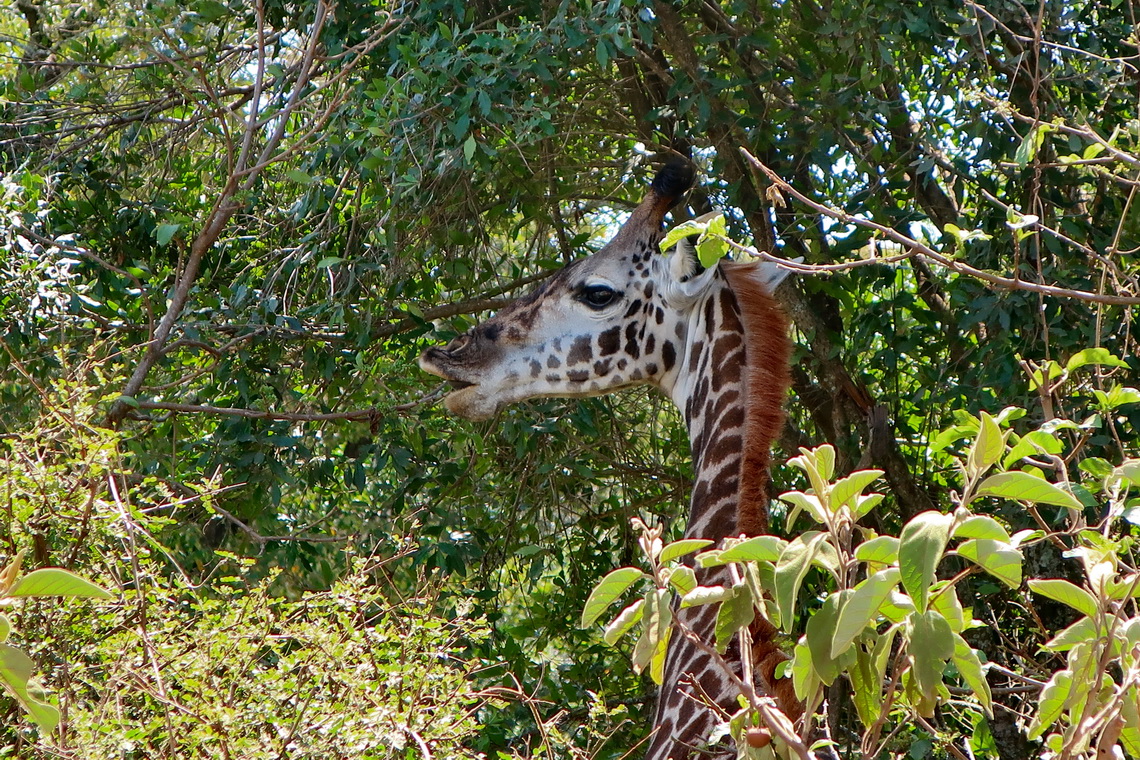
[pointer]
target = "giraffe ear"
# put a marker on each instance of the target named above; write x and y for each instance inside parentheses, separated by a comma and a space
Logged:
(771, 274)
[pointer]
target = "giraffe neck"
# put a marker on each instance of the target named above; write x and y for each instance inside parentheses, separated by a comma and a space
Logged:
(730, 389)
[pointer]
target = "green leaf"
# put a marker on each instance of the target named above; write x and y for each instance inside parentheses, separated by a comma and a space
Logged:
(5, 627)
(1021, 486)
(845, 489)
(681, 548)
(791, 568)
(970, 668)
(820, 632)
(1060, 590)
(931, 645)
(16, 676)
(987, 447)
(755, 549)
(1083, 630)
(469, 146)
(736, 612)
(1051, 703)
(981, 526)
(868, 696)
(54, 581)
(1130, 712)
(684, 579)
(997, 558)
(663, 622)
(1032, 143)
(921, 546)
(944, 600)
(713, 246)
(705, 595)
(163, 233)
(882, 550)
(1097, 356)
(607, 591)
(299, 176)
(682, 231)
(861, 608)
(626, 619)
(807, 502)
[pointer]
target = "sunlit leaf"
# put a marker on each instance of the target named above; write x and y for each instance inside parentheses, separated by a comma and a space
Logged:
(1021, 486)
(607, 591)
(921, 546)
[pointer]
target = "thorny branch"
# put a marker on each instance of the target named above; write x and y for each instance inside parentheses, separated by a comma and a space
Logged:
(916, 248)
(243, 175)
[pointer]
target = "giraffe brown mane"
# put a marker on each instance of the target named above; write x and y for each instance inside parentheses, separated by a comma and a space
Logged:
(767, 374)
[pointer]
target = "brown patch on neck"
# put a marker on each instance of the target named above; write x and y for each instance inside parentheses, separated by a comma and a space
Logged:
(767, 375)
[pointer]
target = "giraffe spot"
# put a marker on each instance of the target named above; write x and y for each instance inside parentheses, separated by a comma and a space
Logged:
(631, 346)
(595, 386)
(650, 344)
(679, 330)
(633, 309)
(668, 354)
(660, 315)
(535, 368)
(580, 351)
(622, 364)
(610, 341)
(636, 374)
(725, 446)
(651, 369)
(602, 367)
(491, 331)
(553, 362)
(649, 289)
(553, 377)
(578, 375)
(695, 356)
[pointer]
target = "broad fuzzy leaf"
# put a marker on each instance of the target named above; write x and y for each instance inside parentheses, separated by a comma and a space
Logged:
(736, 612)
(681, 548)
(882, 550)
(970, 668)
(792, 566)
(820, 632)
(921, 546)
(861, 608)
(607, 591)
(997, 558)
(931, 645)
(16, 676)
(1051, 703)
(705, 595)
(684, 579)
(981, 526)
(987, 447)
(1079, 632)
(54, 581)
(845, 489)
(626, 619)
(755, 549)
(1021, 486)
(1060, 590)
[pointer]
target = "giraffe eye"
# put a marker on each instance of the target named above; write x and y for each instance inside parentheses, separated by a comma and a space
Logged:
(597, 296)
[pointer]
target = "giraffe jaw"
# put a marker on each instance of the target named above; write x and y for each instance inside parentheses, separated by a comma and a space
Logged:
(465, 399)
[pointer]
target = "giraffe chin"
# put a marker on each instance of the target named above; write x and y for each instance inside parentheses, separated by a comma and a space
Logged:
(468, 404)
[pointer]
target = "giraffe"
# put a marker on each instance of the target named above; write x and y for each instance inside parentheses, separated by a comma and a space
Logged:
(715, 342)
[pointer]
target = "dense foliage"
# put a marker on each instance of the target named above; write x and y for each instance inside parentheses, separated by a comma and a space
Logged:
(230, 228)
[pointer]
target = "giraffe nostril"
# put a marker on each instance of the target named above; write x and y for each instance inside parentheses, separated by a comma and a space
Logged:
(458, 344)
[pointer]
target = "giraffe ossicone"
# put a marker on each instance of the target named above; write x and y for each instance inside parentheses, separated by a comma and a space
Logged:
(715, 341)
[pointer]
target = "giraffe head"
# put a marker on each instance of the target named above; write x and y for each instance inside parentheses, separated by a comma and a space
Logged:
(615, 319)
